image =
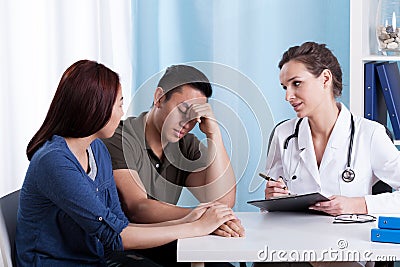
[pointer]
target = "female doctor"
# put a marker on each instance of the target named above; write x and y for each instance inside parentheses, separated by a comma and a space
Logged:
(326, 148)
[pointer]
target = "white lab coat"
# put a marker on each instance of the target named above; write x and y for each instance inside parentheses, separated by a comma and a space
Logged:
(374, 157)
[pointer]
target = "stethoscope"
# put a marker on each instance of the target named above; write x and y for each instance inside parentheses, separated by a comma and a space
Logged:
(348, 174)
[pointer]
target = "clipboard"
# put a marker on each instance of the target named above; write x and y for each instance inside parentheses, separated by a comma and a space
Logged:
(289, 203)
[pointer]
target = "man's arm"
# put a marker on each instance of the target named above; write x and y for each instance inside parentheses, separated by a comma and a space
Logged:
(137, 207)
(217, 181)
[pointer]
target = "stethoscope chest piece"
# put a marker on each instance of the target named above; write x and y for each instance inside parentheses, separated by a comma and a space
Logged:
(348, 175)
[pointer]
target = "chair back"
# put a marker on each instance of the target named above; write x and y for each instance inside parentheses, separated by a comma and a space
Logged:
(8, 223)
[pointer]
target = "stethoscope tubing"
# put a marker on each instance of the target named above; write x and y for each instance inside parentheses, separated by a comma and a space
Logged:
(348, 174)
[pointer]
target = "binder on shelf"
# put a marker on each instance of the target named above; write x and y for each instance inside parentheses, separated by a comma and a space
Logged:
(374, 102)
(388, 222)
(389, 77)
(385, 235)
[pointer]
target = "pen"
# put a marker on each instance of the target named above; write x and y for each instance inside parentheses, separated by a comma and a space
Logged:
(266, 177)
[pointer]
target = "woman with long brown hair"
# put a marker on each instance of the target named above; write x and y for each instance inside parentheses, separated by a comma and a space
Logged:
(69, 212)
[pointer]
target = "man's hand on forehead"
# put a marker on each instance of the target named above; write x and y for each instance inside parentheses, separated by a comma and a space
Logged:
(198, 111)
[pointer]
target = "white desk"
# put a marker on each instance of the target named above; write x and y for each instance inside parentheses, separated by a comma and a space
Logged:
(289, 237)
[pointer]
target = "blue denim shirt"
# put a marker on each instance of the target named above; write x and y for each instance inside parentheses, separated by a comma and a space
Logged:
(65, 218)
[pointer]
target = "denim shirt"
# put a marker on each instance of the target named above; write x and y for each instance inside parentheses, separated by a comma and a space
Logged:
(65, 218)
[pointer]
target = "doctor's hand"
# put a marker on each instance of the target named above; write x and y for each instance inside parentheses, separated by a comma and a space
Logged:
(276, 189)
(342, 205)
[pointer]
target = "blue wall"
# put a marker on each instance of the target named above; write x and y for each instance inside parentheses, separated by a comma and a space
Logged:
(248, 37)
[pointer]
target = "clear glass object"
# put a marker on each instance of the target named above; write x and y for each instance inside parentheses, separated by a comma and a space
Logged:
(388, 27)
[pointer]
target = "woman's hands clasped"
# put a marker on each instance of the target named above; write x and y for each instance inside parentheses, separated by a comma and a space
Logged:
(215, 218)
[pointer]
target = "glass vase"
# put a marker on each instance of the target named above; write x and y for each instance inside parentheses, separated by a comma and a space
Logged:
(388, 27)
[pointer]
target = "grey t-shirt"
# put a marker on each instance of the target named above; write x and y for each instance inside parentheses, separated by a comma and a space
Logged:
(162, 178)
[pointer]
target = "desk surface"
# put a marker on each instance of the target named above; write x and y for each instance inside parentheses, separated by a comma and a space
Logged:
(281, 236)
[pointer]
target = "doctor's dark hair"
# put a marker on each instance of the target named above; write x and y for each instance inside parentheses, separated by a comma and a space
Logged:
(177, 75)
(316, 57)
(82, 104)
